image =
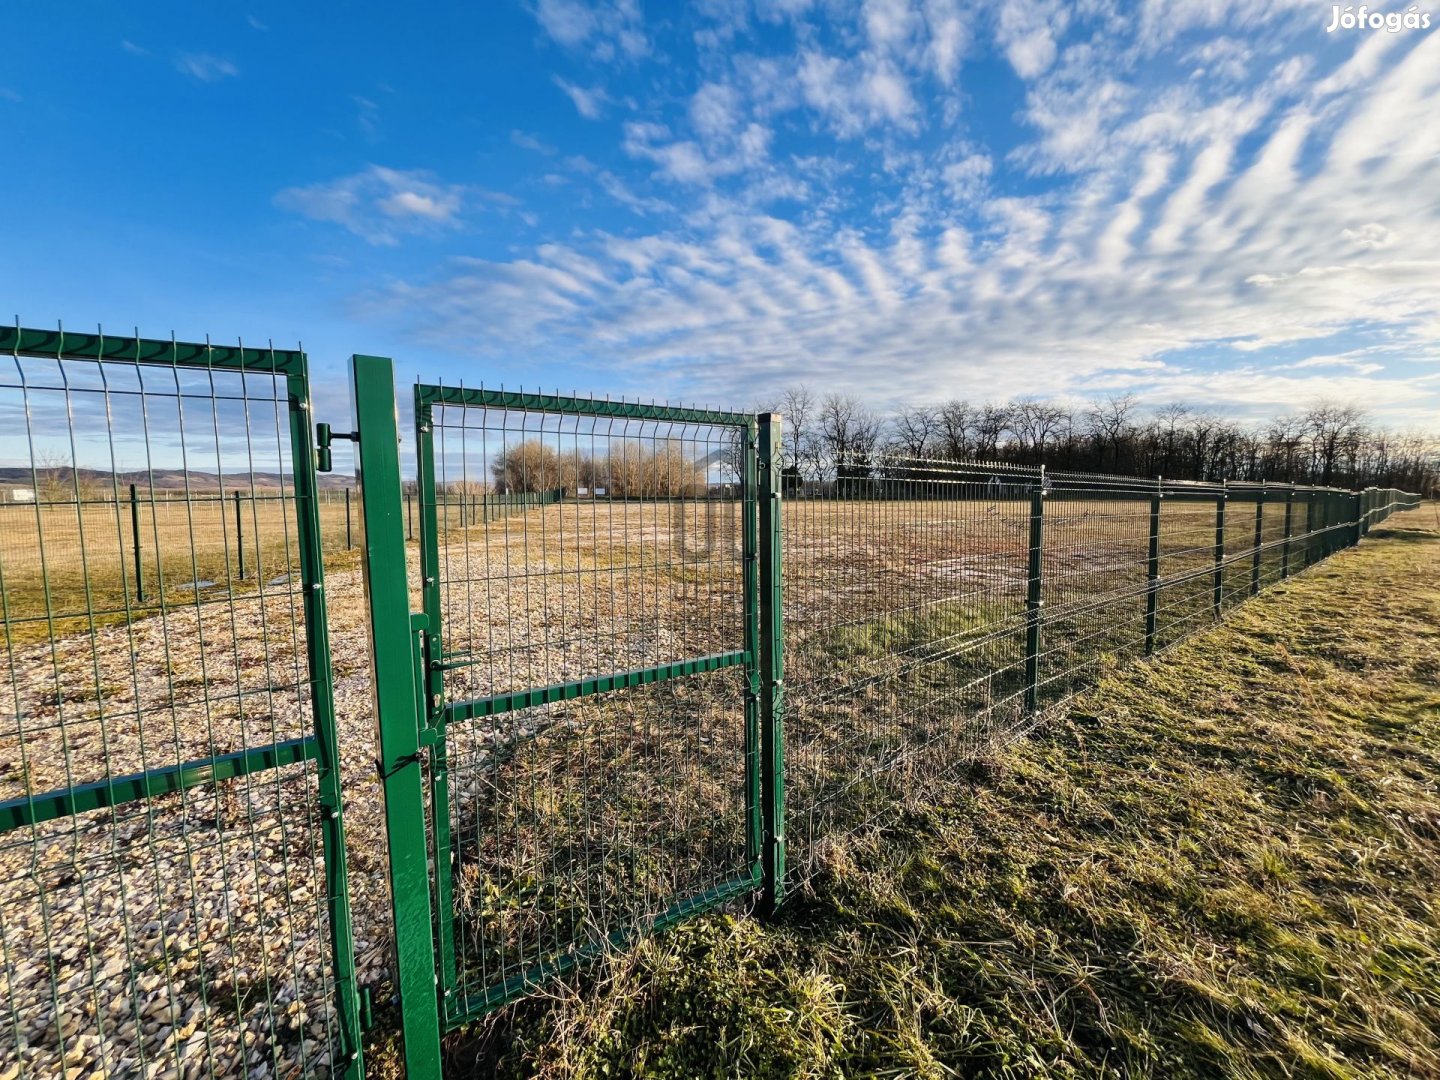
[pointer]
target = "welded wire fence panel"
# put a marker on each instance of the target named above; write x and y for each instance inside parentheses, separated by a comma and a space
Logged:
(166, 906)
(1093, 582)
(586, 578)
(904, 615)
(932, 608)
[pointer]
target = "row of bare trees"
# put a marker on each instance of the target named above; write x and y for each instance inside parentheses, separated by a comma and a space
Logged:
(631, 469)
(1327, 444)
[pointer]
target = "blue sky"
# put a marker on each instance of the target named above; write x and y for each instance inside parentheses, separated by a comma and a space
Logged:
(1200, 200)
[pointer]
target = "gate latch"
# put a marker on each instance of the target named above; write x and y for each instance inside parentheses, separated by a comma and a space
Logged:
(323, 438)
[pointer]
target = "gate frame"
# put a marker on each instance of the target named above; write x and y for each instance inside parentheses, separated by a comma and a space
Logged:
(412, 714)
(322, 744)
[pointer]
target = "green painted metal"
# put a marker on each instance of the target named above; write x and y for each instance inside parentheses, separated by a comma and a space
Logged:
(1217, 602)
(1034, 602)
(455, 711)
(322, 688)
(750, 592)
(459, 963)
(118, 790)
(1289, 532)
(475, 1005)
(397, 700)
(135, 544)
(1152, 574)
(69, 345)
(1258, 547)
(772, 665)
(577, 406)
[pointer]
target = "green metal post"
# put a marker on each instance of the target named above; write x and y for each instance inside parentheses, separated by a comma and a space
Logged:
(1289, 529)
(1310, 516)
(1219, 580)
(772, 667)
(239, 536)
(1259, 540)
(135, 543)
(750, 583)
(322, 692)
(1152, 575)
(396, 688)
(1034, 597)
(432, 694)
(349, 539)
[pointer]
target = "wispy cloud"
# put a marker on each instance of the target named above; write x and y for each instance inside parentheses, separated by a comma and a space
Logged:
(589, 102)
(1181, 226)
(606, 29)
(378, 204)
(205, 67)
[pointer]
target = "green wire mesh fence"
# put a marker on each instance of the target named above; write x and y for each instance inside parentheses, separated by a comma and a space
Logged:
(172, 887)
(590, 639)
(580, 646)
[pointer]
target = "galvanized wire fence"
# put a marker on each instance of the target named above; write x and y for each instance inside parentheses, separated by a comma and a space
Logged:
(593, 707)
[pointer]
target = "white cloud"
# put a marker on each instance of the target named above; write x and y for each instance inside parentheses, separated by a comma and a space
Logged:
(1245, 213)
(604, 29)
(378, 204)
(205, 67)
(589, 103)
(1027, 31)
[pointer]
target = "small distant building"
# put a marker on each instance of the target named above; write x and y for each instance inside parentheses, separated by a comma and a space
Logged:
(17, 495)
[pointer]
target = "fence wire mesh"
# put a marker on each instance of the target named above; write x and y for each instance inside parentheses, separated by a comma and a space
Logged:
(934, 608)
(165, 907)
(592, 776)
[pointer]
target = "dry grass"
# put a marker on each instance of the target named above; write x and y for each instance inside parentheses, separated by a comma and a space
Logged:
(1220, 863)
(64, 569)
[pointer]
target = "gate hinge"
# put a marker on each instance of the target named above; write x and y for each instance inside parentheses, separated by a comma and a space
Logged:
(323, 438)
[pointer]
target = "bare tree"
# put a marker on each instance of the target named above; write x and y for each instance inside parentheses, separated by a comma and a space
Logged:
(955, 419)
(849, 433)
(1333, 431)
(917, 430)
(1108, 421)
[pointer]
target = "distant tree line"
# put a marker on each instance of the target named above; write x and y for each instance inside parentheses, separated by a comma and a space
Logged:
(1328, 444)
(630, 469)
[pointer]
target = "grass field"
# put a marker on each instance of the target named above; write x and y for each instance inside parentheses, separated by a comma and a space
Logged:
(65, 567)
(1223, 862)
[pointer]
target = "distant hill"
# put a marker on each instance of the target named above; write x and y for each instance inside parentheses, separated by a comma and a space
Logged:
(170, 480)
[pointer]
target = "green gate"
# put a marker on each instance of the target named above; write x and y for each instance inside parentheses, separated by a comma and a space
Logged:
(173, 896)
(578, 710)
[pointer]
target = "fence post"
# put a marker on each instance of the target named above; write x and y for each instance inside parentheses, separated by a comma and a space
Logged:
(1152, 571)
(1289, 516)
(349, 542)
(409, 518)
(1219, 584)
(397, 688)
(1309, 527)
(239, 536)
(135, 539)
(1034, 596)
(772, 667)
(1259, 540)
